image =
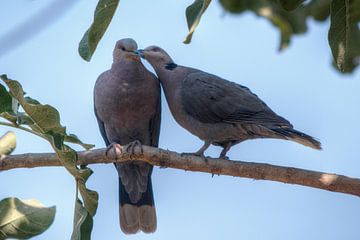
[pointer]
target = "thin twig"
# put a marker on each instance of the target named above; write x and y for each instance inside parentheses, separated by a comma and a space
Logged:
(22, 128)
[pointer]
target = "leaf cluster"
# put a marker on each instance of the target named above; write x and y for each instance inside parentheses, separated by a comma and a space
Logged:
(28, 114)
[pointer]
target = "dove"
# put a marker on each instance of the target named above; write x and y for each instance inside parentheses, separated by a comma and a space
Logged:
(127, 106)
(218, 111)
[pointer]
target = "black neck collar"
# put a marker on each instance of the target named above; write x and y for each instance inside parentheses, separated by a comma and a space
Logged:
(171, 66)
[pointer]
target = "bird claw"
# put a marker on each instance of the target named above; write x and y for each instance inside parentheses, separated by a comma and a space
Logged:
(134, 147)
(224, 157)
(116, 149)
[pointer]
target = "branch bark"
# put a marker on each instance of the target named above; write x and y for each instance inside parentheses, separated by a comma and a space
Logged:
(164, 158)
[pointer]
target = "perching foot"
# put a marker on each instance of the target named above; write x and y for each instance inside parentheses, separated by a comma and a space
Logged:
(115, 148)
(134, 147)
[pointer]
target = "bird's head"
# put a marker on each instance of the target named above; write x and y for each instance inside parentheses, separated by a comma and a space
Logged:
(125, 48)
(156, 56)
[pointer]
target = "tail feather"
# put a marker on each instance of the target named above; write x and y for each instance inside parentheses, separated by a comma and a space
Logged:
(129, 219)
(299, 137)
(138, 216)
(147, 218)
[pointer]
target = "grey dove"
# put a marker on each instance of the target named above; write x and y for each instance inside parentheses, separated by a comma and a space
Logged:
(218, 111)
(128, 107)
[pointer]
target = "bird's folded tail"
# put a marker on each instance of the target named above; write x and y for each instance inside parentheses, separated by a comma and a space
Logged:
(139, 216)
(299, 137)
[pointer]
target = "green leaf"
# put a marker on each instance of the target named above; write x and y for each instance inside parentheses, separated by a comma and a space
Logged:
(44, 120)
(289, 23)
(72, 138)
(90, 198)
(234, 6)
(104, 12)
(24, 219)
(68, 157)
(5, 100)
(83, 223)
(319, 9)
(344, 34)
(46, 117)
(290, 5)
(7, 143)
(193, 16)
(7, 107)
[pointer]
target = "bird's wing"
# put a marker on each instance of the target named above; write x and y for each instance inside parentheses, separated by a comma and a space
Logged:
(211, 99)
(155, 123)
(101, 127)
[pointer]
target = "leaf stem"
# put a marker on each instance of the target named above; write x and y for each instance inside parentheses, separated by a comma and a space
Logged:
(22, 128)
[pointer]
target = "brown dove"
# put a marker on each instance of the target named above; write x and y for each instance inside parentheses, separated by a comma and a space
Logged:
(127, 106)
(216, 110)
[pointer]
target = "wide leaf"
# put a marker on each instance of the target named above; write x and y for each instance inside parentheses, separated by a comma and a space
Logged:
(193, 16)
(24, 219)
(344, 34)
(104, 12)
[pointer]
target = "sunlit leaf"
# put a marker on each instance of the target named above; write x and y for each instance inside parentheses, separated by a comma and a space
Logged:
(193, 16)
(7, 143)
(104, 12)
(24, 219)
(83, 223)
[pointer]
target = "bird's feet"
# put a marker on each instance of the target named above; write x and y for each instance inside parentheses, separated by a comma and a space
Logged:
(115, 149)
(224, 157)
(134, 147)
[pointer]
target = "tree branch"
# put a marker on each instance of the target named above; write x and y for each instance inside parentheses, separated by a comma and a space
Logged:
(164, 158)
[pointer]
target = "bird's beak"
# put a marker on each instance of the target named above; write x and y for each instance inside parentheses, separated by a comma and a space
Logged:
(140, 52)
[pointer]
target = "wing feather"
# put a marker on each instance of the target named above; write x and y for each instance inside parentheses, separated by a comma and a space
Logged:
(211, 99)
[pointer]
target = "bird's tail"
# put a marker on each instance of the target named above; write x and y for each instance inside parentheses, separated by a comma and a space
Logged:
(140, 215)
(299, 137)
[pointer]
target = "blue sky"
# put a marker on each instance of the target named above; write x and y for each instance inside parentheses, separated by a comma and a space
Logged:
(298, 84)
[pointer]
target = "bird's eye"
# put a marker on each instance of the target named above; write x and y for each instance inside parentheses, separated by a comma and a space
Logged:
(122, 48)
(155, 49)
